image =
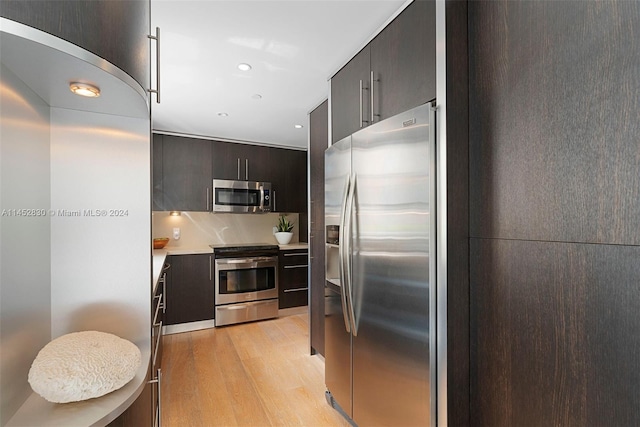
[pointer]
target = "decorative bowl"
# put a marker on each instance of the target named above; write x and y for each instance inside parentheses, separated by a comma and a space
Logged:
(160, 242)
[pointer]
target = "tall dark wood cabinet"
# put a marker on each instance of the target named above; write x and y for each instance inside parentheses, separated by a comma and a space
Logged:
(190, 289)
(554, 213)
(395, 72)
(114, 30)
(186, 174)
(318, 142)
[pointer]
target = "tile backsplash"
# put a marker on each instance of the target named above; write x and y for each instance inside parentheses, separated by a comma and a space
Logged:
(200, 229)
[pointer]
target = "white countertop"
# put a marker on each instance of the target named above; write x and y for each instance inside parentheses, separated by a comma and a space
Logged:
(291, 246)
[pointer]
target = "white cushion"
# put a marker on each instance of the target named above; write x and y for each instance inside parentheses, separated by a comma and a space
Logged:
(83, 365)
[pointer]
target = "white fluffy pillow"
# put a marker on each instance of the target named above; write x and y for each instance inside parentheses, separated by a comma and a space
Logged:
(83, 365)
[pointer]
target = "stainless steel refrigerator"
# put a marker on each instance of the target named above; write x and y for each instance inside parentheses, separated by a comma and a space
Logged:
(380, 308)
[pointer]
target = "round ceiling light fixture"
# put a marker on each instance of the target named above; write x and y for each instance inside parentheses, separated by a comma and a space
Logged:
(244, 67)
(223, 114)
(256, 96)
(298, 126)
(84, 89)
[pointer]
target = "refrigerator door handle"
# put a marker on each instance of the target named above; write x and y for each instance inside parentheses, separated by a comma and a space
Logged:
(348, 250)
(341, 252)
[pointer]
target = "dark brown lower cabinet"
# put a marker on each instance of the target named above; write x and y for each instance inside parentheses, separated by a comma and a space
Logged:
(190, 289)
(293, 268)
(555, 333)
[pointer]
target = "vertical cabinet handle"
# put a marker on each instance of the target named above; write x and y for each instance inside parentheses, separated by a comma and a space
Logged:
(210, 268)
(246, 169)
(372, 88)
(207, 207)
(273, 199)
(360, 104)
(157, 89)
(238, 168)
(158, 415)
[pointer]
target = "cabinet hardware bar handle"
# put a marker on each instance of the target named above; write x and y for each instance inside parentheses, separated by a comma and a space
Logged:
(246, 169)
(158, 338)
(360, 104)
(297, 254)
(296, 289)
(157, 89)
(372, 87)
(207, 207)
(296, 266)
(164, 289)
(158, 380)
(238, 168)
(273, 196)
(209, 267)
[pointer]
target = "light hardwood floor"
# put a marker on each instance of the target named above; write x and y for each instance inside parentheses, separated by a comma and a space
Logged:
(253, 374)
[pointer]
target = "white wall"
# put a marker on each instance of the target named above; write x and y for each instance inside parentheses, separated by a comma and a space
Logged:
(25, 243)
(100, 265)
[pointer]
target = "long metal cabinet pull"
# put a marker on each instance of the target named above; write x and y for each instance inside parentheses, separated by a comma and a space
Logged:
(360, 104)
(157, 89)
(348, 218)
(372, 88)
(210, 267)
(207, 208)
(341, 264)
(238, 168)
(246, 169)
(158, 380)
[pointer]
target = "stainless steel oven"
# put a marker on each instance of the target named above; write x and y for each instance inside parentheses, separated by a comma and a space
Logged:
(246, 286)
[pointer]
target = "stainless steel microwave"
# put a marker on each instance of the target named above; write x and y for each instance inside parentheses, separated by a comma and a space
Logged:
(241, 196)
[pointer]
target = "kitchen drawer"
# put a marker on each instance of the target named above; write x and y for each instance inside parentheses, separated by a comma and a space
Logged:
(293, 281)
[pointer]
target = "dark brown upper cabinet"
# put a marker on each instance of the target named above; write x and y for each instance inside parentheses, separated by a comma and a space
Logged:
(186, 174)
(114, 30)
(288, 180)
(403, 58)
(241, 162)
(349, 95)
(393, 73)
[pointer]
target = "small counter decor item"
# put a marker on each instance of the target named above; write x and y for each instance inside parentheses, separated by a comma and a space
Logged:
(160, 242)
(83, 365)
(284, 234)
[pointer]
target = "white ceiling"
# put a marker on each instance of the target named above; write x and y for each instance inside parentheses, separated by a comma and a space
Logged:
(293, 46)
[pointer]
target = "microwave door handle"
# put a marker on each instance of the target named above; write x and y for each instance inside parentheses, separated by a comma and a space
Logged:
(261, 197)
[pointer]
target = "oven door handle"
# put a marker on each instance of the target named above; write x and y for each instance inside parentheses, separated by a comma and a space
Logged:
(244, 260)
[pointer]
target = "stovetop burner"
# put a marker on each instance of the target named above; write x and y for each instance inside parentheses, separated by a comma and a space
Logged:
(234, 249)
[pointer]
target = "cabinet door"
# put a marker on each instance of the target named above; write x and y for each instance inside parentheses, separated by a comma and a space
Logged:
(289, 180)
(114, 30)
(186, 173)
(243, 162)
(292, 278)
(403, 61)
(158, 189)
(318, 140)
(226, 160)
(349, 104)
(190, 292)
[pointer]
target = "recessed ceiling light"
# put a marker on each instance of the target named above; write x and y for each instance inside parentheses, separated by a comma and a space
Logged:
(84, 89)
(256, 96)
(244, 67)
(223, 114)
(298, 126)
